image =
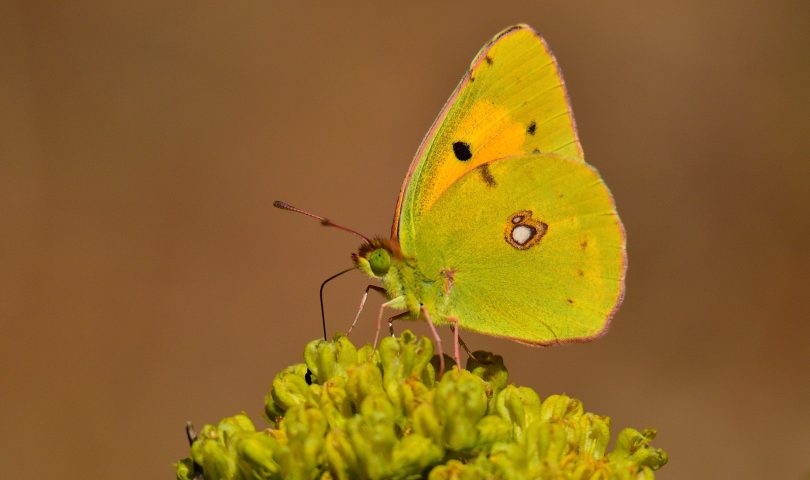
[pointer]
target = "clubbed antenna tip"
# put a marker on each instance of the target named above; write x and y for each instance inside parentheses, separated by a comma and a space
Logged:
(324, 221)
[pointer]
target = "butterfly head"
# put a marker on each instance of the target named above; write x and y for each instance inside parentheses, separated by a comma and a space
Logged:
(375, 258)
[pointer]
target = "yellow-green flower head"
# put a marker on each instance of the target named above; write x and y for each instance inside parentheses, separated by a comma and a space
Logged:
(350, 413)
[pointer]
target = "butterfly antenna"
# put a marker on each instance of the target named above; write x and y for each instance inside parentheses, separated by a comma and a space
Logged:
(323, 315)
(324, 221)
(192, 437)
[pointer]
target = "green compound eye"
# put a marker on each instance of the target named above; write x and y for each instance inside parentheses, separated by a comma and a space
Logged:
(380, 261)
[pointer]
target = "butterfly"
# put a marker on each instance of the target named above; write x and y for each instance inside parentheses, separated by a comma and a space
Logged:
(501, 227)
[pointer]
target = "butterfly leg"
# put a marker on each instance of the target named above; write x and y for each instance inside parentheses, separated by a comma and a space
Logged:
(395, 317)
(456, 355)
(389, 304)
(435, 337)
(362, 304)
(466, 349)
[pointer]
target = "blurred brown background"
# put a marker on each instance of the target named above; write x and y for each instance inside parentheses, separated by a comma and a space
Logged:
(145, 278)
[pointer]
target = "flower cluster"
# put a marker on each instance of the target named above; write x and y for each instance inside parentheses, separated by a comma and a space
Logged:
(351, 413)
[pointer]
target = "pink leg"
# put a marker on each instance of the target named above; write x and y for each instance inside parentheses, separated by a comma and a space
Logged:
(362, 303)
(379, 321)
(437, 338)
(454, 321)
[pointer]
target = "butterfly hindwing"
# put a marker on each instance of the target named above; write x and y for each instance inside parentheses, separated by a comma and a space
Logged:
(532, 246)
(511, 101)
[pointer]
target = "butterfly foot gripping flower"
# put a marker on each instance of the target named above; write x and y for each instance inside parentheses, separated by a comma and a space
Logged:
(349, 413)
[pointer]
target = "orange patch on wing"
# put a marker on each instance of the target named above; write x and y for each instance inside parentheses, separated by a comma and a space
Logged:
(482, 117)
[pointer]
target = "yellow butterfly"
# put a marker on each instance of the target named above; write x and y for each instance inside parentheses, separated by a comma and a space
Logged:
(501, 227)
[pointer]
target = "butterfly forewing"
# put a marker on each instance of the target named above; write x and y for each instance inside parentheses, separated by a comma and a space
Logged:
(511, 101)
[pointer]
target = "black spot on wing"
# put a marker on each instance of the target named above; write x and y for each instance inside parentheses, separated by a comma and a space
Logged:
(536, 150)
(488, 60)
(462, 151)
(532, 128)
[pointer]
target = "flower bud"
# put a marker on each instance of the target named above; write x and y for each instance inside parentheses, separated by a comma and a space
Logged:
(326, 360)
